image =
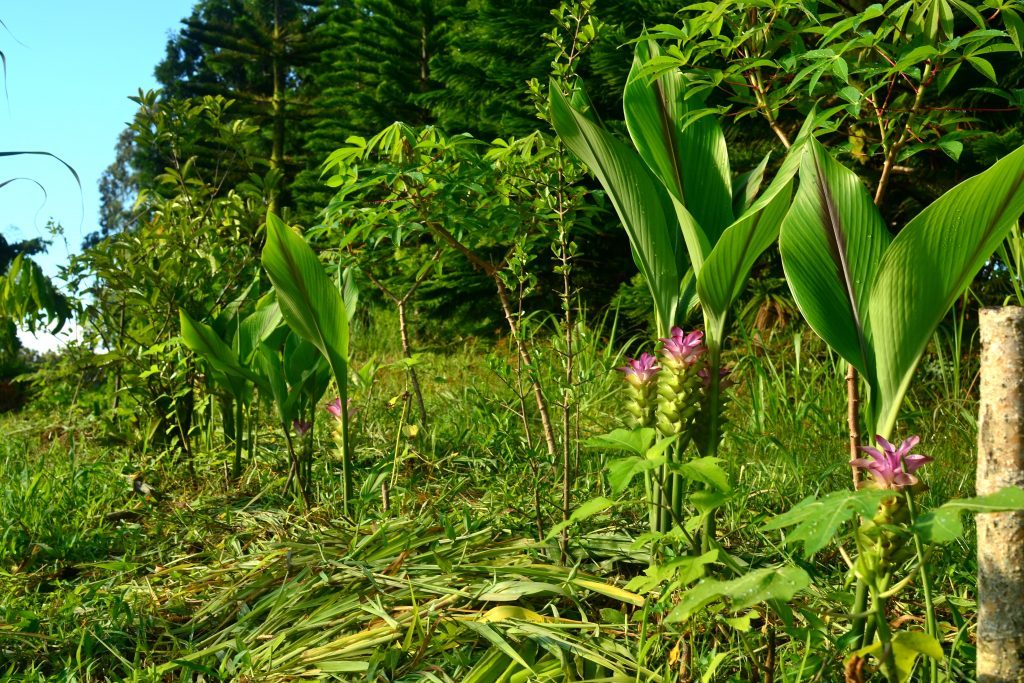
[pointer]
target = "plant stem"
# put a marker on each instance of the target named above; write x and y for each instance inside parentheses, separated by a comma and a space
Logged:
(524, 354)
(931, 624)
(885, 636)
(852, 422)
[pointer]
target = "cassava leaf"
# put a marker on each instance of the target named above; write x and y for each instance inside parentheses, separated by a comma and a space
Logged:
(907, 646)
(944, 524)
(635, 441)
(816, 520)
(760, 585)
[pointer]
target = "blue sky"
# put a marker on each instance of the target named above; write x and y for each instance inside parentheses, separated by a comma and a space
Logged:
(71, 66)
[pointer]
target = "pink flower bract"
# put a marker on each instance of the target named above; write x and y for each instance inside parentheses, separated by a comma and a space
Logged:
(892, 468)
(684, 347)
(642, 369)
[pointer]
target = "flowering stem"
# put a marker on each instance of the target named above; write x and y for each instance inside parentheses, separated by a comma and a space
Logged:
(714, 399)
(931, 625)
(884, 635)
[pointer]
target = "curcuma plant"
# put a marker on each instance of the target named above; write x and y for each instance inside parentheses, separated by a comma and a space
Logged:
(694, 232)
(314, 308)
(876, 300)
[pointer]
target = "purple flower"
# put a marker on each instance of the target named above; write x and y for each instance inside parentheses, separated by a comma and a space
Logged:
(641, 370)
(301, 427)
(723, 383)
(892, 468)
(334, 408)
(683, 347)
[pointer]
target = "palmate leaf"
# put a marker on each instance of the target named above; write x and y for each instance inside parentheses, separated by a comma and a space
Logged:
(688, 155)
(643, 205)
(816, 520)
(635, 441)
(760, 585)
(906, 646)
(944, 524)
(831, 242)
(929, 264)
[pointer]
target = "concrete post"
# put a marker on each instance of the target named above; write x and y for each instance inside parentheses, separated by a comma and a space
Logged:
(1001, 463)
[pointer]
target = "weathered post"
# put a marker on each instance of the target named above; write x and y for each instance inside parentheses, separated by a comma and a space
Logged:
(1001, 463)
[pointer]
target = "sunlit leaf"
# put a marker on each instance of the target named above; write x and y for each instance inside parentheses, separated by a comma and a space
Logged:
(944, 524)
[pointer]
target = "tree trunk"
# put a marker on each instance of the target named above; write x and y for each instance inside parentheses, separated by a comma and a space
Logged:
(1001, 463)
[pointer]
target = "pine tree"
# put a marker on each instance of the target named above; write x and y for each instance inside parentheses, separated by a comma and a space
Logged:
(252, 52)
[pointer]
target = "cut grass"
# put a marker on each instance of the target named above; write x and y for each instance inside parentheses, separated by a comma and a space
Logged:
(225, 581)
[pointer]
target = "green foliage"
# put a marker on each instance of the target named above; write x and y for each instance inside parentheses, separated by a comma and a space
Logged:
(818, 520)
(878, 304)
(313, 308)
(943, 524)
(194, 248)
(906, 647)
(760, 585)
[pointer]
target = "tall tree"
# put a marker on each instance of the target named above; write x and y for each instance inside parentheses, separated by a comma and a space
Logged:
(251, 51)
(375, 71)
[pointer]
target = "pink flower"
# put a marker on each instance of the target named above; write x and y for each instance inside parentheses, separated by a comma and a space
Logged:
(334, 408)
(641, 370)
(301, 427)
(684, 347)
(723, 383)
(892, 468)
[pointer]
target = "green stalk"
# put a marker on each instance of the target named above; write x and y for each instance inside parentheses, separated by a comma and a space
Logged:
(236, 469)
(860, 605)
(677, 487)
(710, 529)
(884, 635)
(931, 623)
(346, 452)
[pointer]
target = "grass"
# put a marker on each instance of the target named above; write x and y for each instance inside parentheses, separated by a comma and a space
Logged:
(443, 572)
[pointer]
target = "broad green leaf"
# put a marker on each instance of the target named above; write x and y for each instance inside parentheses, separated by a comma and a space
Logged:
(746, 187)
(310, 303)
(350, 292)
(642, 203)
(679, 571)
(255, 329)
(943, 524)
(930, 263)
(622, 470)
(831, 242)
(907, 646)
(690, 157)
(269, 364)
(313, 307)
(760, 585)
(725, 271)
(705, 470)
(201, 338)
(635, 441)
(588, 509)
(816, 520)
